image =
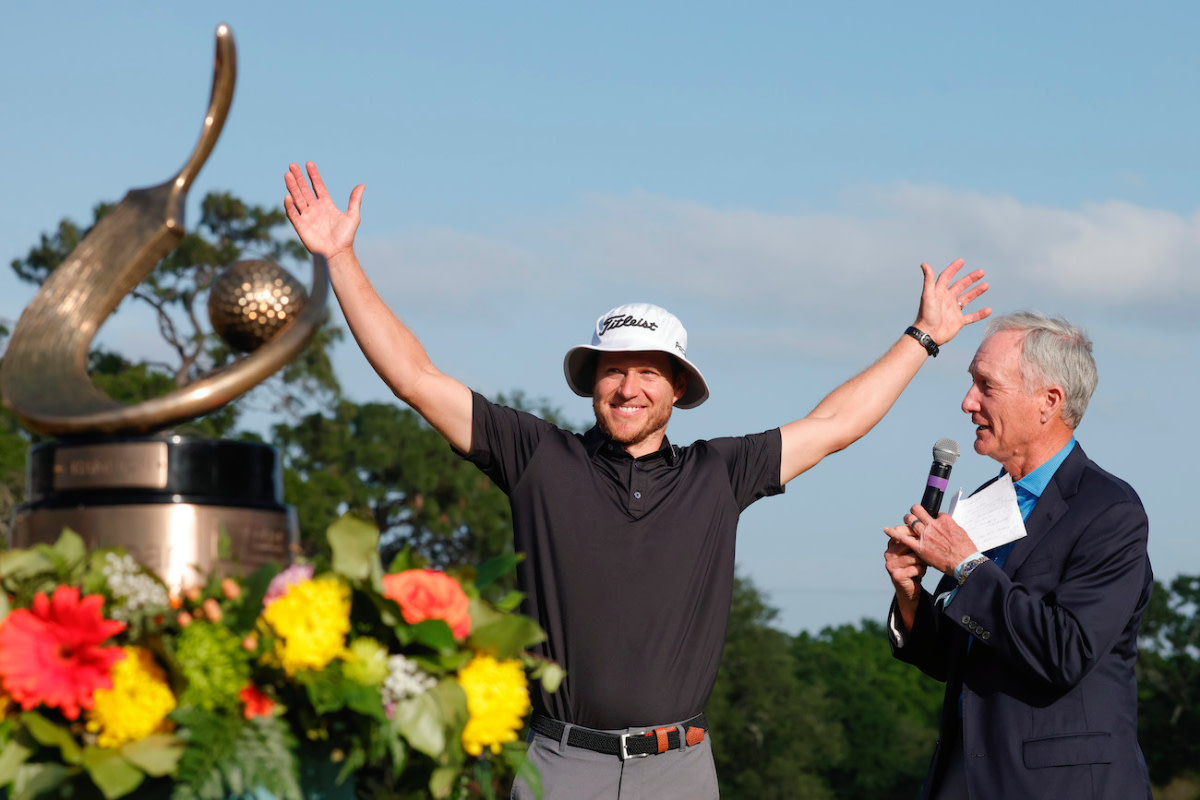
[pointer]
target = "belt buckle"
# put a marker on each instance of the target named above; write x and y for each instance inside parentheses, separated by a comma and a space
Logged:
(624, 747)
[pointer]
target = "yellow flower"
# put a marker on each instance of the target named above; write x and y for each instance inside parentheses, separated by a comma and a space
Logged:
(497, 699)
(138, 703)
(311, 621)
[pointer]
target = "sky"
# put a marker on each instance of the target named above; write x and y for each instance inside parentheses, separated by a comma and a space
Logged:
(771, 172)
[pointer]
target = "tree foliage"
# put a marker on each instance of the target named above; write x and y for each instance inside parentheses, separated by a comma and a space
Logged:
(1169, 682)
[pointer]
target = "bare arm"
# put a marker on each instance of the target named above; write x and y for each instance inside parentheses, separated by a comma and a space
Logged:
(855, 407)
(390, 347)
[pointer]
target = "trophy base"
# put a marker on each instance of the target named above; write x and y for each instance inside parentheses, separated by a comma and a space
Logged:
(185, 508)
(181, 542)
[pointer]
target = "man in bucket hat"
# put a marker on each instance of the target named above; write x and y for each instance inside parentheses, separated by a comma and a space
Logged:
(629, 540)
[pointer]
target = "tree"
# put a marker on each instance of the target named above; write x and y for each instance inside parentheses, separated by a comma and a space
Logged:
(1169, 684)
(770, 731)
(383, 460)
(886, 710)
(13, 444)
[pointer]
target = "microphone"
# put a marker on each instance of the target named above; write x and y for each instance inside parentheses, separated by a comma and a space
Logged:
(945, 453)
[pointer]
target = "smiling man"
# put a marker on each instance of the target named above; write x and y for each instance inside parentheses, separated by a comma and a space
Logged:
(629, 539)
(1036, 640)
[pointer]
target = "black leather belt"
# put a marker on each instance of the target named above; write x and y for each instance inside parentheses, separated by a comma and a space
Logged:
(625, 745)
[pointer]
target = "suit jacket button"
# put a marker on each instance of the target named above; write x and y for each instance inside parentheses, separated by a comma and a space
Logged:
(966, 620)
(985, 635)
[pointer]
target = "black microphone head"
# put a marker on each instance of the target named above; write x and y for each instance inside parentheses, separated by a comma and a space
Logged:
(945, 451)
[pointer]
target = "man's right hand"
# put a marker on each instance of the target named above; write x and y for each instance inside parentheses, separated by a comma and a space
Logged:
(906, 570)
(322, 227)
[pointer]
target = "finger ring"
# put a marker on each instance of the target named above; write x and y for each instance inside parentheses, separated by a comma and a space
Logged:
(959, 303)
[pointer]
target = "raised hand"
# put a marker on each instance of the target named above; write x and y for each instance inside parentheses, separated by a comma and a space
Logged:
(323, 228)
(944, 301)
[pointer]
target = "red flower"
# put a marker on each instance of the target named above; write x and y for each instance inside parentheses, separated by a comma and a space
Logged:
(51, 655)
(257, 703)
(428, 594)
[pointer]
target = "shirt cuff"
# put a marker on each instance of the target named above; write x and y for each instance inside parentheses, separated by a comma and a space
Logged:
(958, 570)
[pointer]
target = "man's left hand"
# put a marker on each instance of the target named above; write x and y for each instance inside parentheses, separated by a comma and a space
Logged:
(940, 542)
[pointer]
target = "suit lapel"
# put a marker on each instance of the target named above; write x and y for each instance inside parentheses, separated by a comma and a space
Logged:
(1050, 508)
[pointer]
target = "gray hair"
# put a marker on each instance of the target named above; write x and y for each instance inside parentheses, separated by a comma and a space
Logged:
(1053, 353)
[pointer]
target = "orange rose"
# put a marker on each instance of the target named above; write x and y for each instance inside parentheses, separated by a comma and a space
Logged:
(428, 594)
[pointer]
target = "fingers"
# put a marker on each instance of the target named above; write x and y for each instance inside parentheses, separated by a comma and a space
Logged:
(315, 176)
(352, 208)
(949, 272)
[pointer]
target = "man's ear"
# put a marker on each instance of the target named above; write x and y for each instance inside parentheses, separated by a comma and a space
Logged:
(681, 380)
(1052, 408)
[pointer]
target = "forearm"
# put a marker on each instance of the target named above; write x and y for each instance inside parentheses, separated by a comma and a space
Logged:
(851, 410)
(397, 356)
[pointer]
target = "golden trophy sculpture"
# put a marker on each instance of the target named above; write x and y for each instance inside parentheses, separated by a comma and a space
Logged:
(115, 474)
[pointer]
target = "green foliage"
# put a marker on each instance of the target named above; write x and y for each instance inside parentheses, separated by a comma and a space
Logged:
(1169, 682)
(771, 732)
(887, 711)
(384, 461)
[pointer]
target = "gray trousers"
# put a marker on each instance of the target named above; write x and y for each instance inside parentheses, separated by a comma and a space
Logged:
(574, 773)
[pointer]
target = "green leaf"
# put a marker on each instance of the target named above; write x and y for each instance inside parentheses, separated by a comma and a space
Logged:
(21, 565)
(355, 545)
(518, 761)
(419, 720)
(495, 568)
(112, 774)
(507, 637)
(482, 614)
(435, 634)
(40, 780)
(12, 757)
(550, 674)
(158, 754)
(442, 781)
(254, 589)
(51, 735)
(483, 777)
(510, 601)
(70, 547)
(406, 559)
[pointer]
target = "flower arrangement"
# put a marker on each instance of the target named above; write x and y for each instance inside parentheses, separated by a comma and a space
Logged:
(409, 683)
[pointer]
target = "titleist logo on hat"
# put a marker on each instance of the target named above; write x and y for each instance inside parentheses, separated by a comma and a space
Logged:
(627, 321)
(631, 328)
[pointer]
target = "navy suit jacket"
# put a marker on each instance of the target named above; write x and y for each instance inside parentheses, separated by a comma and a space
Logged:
(1049, 695)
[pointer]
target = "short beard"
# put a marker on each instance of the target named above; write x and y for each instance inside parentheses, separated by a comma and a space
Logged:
(655, 424)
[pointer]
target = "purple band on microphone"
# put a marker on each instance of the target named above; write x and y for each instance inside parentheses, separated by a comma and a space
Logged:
(937, 483)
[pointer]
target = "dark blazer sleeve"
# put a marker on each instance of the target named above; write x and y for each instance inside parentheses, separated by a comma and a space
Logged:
(1063, 601)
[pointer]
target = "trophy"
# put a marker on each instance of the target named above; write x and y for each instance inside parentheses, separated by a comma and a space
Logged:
(115, 474)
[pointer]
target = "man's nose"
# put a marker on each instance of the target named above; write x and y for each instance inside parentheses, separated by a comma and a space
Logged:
(970, 403)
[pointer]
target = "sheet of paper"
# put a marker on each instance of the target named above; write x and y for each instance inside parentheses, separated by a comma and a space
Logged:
(991, 516)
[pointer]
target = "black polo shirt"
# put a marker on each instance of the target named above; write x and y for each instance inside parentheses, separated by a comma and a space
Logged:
(629, 562)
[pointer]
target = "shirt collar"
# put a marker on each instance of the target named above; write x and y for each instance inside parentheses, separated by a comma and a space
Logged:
(594, 442)
(1036, 482)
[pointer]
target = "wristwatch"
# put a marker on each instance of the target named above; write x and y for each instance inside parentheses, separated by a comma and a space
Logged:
(966, 569)
(925, 339)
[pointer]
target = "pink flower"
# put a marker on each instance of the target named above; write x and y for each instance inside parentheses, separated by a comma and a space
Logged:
(280, 583)
(429, 594)
(52, 655)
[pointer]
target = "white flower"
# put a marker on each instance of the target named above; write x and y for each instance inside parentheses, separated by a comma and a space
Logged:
(131, 588)
(405, 679)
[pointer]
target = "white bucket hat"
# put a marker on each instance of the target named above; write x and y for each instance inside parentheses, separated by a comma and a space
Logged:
(629, 328)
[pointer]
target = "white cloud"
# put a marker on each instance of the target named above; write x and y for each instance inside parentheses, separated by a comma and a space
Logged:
(779, 277)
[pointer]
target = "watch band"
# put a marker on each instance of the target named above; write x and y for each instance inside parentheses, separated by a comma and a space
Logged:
(925, 339)
(966, 569)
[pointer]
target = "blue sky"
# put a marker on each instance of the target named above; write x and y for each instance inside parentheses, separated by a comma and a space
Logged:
(772, 173)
